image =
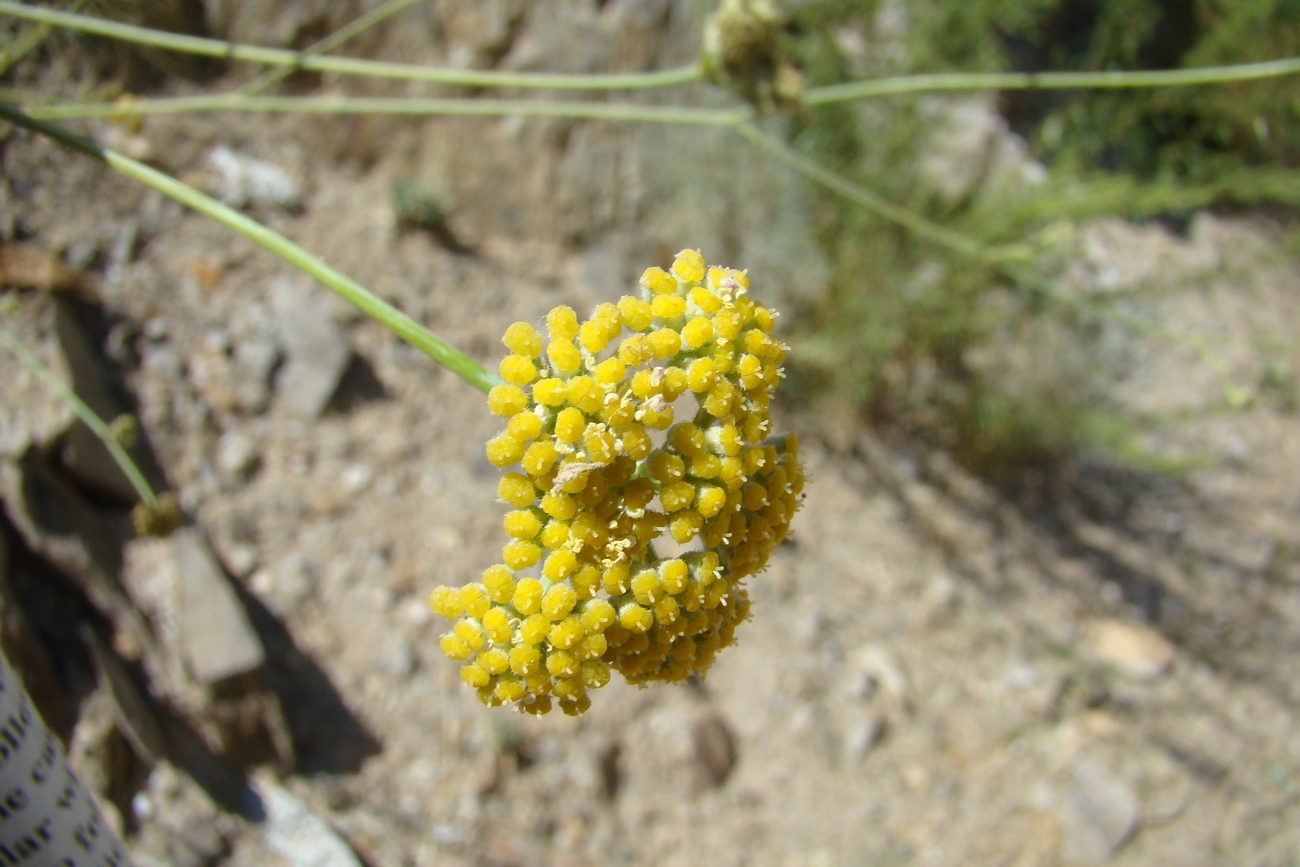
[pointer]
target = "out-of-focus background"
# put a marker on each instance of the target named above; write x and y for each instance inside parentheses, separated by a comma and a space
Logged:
(1042, 605)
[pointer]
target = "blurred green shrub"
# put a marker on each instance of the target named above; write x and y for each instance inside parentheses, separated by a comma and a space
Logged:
(899, 332)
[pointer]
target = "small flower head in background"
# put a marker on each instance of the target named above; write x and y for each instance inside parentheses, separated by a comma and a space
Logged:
(648, 422)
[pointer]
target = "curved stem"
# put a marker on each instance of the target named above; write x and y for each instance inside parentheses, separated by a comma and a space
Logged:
(969, 247)
(401, 106)
(87, 416)
(950, 81)
(349, 65)
(351, 291)
(863, 197)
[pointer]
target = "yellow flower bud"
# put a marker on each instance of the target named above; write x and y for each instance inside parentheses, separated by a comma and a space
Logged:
(474, 599)
(559, 601)
(474, 675)
(635, 313)
(668, 307)
(506, 399)
(534, 629)
(635, 618)
(566, 633)
(689, 266)
(517, 370)
(504, 449)
(524, 659)
(524, 426)
(664, 343)
(510, 690)
(676, 496)
(586, 394)
(559, 506)
(569, 423)
(550, 391)
(555, 534)
(564, 356)
(496, 623)
(562, 322)
(516, 490)
(539, 457)
(445, 602)
(701, 375)
(521, 524)
(658, 281)
(528, 596)
(454, 647)
(522, 339)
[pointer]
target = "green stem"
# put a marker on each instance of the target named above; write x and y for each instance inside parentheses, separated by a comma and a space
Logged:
(863, 197)
(85, 413)
(950, 81)
(398, 106)
(329, 43)
(356, 294)
(348, 65)
(971, 248)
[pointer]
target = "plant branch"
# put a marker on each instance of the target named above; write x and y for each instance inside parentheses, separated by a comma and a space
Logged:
(356, 294)
(398, 106)
(87, 415)
(863, 197)
(296, 60)
(1117, 79)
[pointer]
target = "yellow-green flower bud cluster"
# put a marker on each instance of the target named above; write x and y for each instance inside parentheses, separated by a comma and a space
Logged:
(648, 420)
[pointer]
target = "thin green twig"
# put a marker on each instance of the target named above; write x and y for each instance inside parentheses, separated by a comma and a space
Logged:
(863, 197)
(87, 415)
(400, 106)
(1117, 79)
(14, 51)
(329, 43)
(351, 291)
(993, 257)
(349, 65)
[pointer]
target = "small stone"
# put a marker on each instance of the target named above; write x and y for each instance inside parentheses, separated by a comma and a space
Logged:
(1134, 650)
(217, 640)
(1099, 815)
(317, 352)
(241, 559)
(297, 834)
(862, 737)
(243, 180)
(715, 748)
(355, 478)
(236, 456)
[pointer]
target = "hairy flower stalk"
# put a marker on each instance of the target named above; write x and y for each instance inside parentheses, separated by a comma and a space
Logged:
(649, 421)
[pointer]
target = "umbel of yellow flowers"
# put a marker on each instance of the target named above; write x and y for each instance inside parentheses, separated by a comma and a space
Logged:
(648, 420)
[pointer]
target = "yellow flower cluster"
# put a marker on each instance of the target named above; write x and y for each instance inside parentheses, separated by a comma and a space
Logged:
(648, 420)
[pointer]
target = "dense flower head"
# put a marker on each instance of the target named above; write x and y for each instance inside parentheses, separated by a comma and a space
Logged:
(646, 424)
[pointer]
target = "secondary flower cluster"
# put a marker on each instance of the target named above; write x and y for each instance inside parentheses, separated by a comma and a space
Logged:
(649, 421)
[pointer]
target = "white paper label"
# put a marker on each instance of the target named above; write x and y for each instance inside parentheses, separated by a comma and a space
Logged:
(46, 818)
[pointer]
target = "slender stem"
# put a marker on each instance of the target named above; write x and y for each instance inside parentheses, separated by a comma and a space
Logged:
(402, 106)
(861, 196)
(349, 65)
(947, 81)
(11, 53)
(971, 248)
(85, 413)
(365, 300)
(329, 43)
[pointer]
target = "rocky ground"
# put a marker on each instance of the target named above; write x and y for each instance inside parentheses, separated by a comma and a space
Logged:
(1096, 667)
